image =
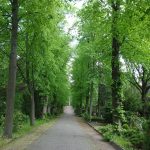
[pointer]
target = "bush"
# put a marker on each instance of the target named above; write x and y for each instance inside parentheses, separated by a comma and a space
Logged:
(97, 119)
(107, 112)
(2, 119)
(107, 131)
(124, 143)
(147, 136)
(86, 116)
(19, 120)
(132, 99)
(135, 135)
(2, 106)
(135, 121)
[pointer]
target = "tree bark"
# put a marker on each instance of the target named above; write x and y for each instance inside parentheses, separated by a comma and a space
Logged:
(87, 102)
(99, 100)
(87, 98)
(116, 79)
(54, 104)
(91, 100)
(45, 107)
(8, 127)
(29, 83)
(32, 115)
(81, 104)
(143, 98)
(49, 109)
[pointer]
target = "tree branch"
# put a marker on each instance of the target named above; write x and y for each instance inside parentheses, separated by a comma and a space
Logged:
(136, 85)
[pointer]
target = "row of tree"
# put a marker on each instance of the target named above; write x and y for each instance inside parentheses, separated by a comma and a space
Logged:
(34, 48)
(111, 75)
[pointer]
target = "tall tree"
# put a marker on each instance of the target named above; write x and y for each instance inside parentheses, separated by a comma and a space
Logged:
(12, 71)
(116, 74)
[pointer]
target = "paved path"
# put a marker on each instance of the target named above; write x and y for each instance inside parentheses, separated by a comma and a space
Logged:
(70, 133)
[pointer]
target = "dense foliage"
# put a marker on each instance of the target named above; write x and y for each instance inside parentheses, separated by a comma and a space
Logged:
(111, 66)
(111, 69)
(41, 53)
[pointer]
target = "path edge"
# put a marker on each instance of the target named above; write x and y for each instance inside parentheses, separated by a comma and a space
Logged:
(116, 146)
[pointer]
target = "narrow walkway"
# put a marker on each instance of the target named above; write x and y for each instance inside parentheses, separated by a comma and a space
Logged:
(70, 133)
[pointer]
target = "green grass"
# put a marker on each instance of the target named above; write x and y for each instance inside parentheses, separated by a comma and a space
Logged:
(122, 142)
(25, 129)
(109, 135)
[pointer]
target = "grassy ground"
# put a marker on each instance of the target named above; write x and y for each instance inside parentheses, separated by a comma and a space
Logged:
(122, 142)
(26, 132)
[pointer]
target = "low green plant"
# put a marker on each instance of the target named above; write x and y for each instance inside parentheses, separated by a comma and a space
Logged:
(2, 119)
(136, 137)
(122, 142)
(134, 134)
(127, 137)
(107, 132)
(107, 112)
(86, 116)
(147, 136)
(19, 120)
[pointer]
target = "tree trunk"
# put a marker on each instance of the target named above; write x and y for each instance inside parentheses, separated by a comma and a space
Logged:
(8, 127)
(91, 100)
(29, 83)
(54, 105)
(99, 100)
(45, 107)
(143, 98)
(32, 113)
(87, 95)
(49, 109)
(87, 102)
(81, 105)
(99, 91)
(32, 119)
(116, 80)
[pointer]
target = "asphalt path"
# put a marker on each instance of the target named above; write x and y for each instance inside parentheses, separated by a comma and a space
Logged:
(70, 133)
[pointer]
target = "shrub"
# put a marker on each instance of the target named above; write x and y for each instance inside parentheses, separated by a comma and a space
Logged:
(147, 136)
(135, 135)
(86, 116)
(136, 121)
(124, 143)
(107, 131)
(137, 138)
(132, 134)
(107, 112)
(19, 120)
(132, 100)
(2, 119)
